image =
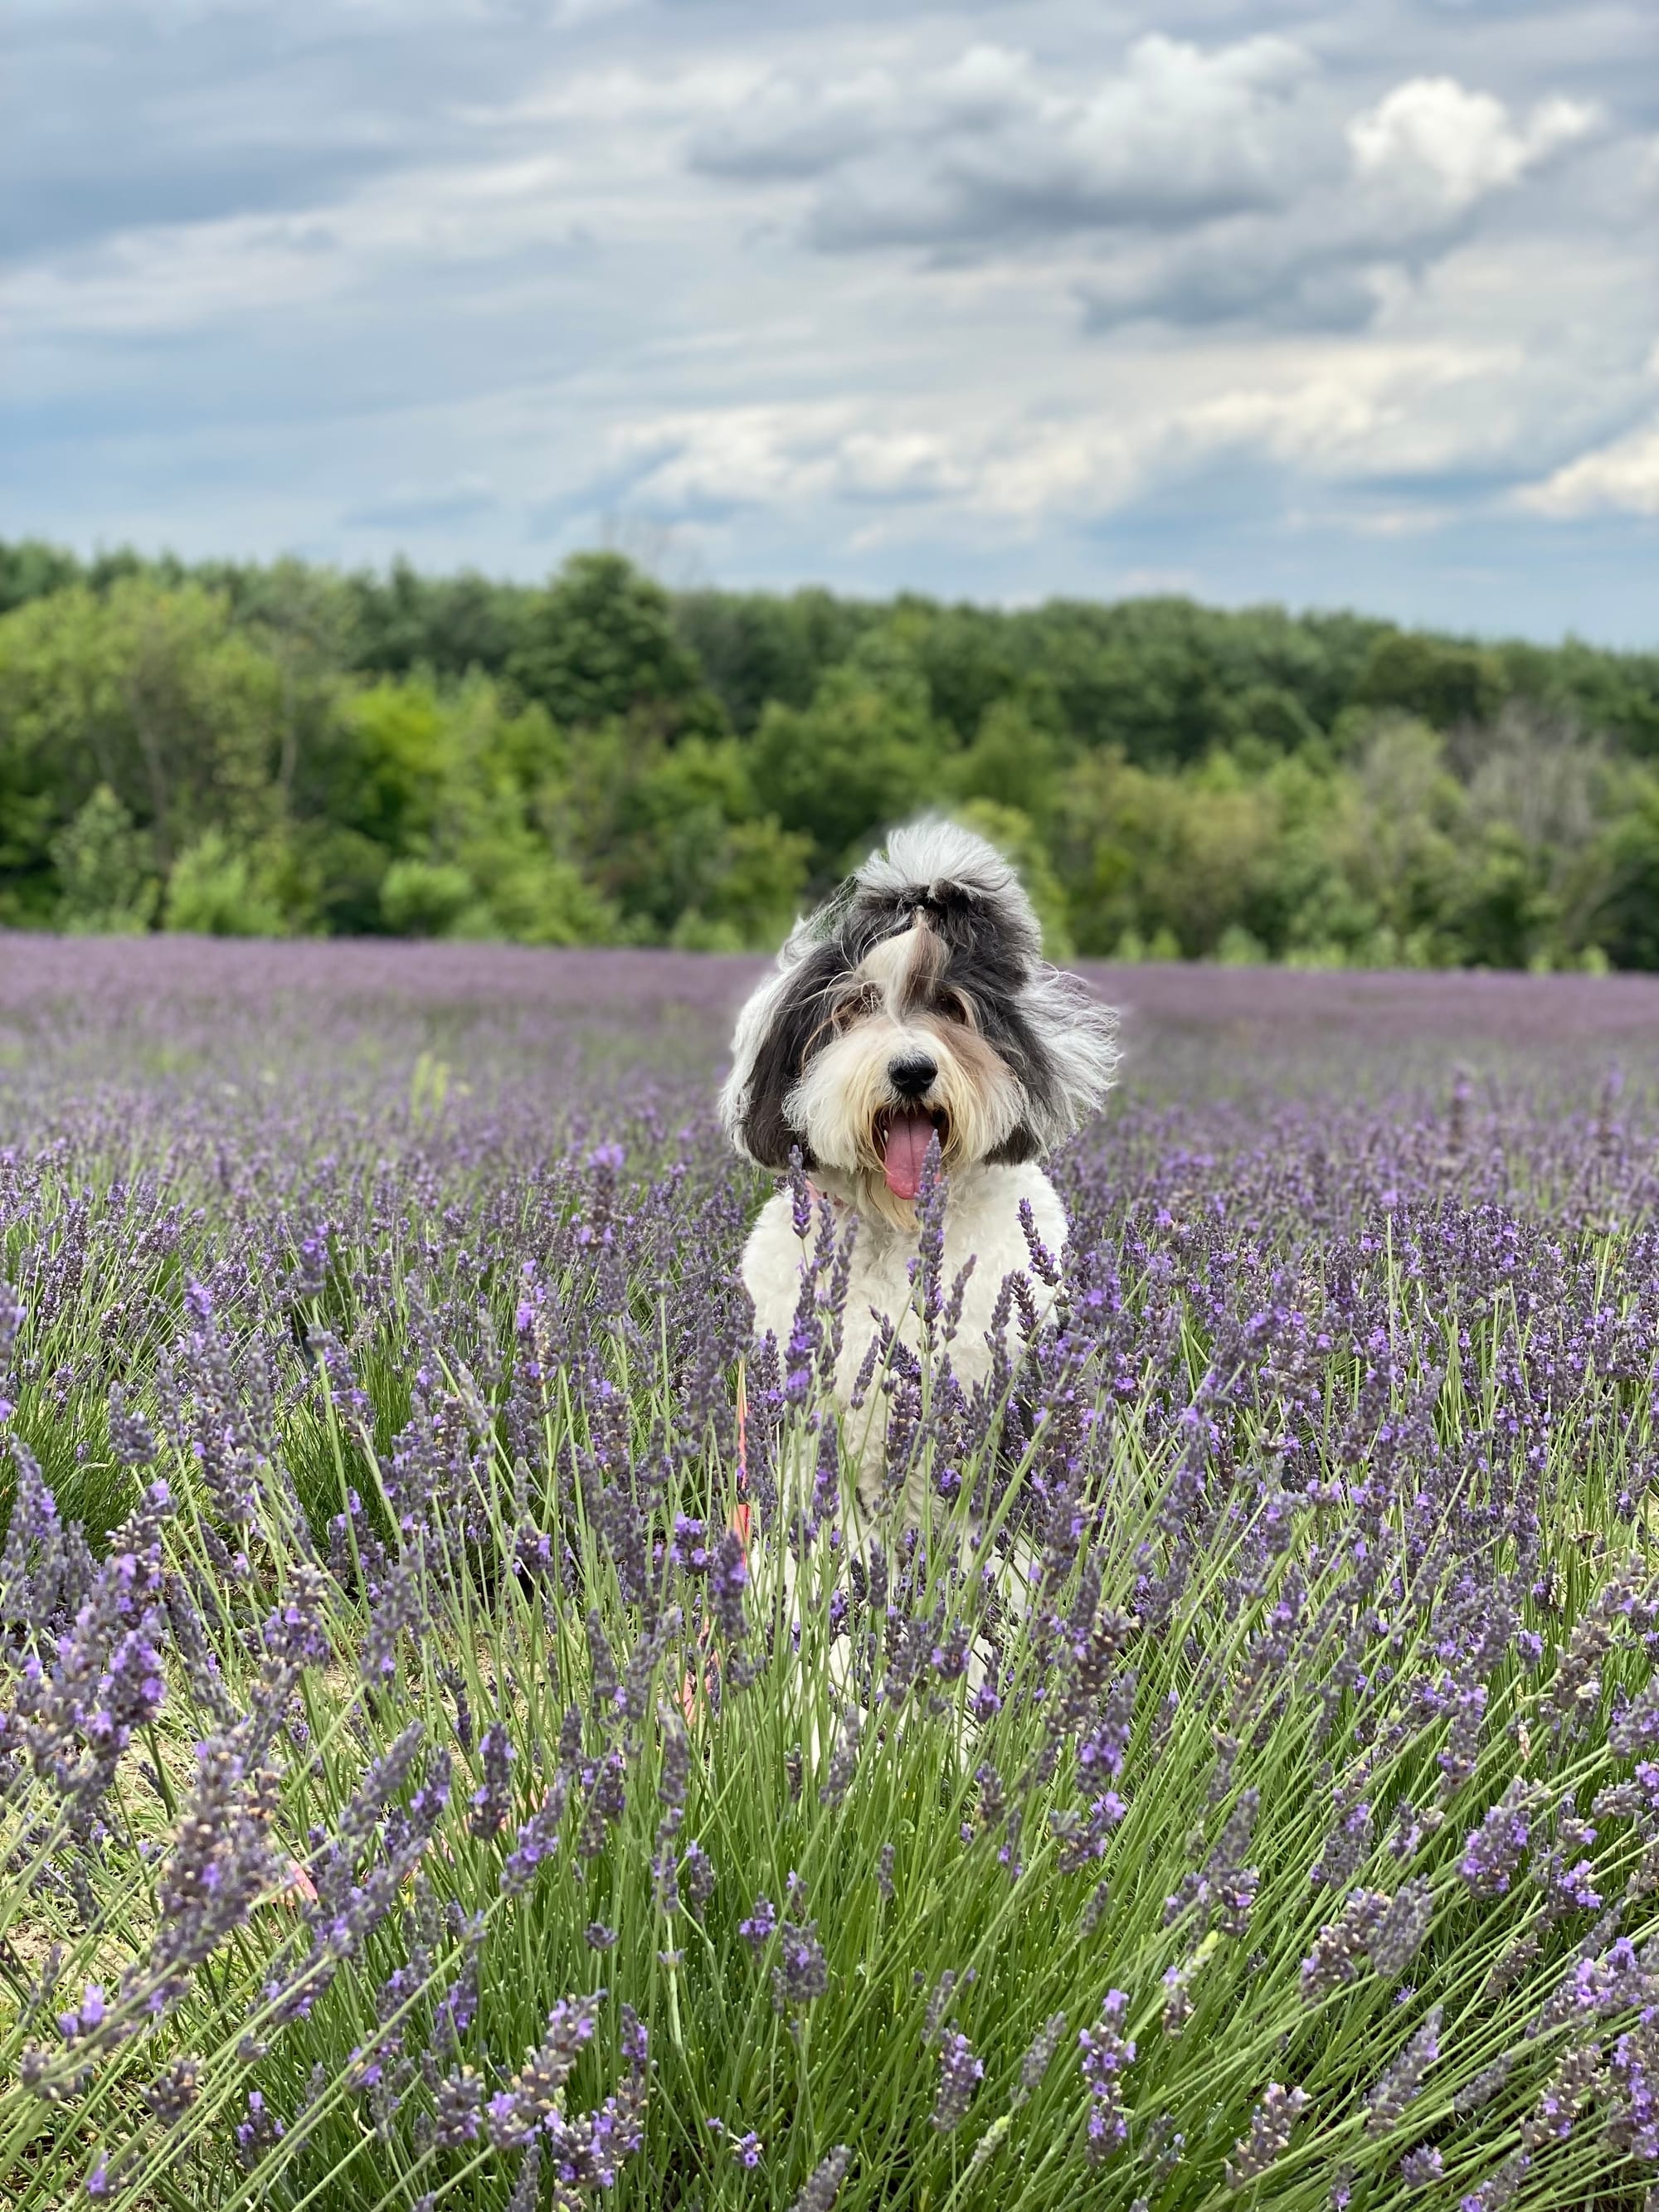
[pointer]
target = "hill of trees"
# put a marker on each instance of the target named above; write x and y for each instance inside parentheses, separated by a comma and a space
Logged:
(284, 749)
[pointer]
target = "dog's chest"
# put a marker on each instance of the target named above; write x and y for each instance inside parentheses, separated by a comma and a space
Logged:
(981, 1223)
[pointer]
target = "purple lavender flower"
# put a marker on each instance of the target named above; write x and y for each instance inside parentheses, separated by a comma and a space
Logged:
(534, 2093)
(728, 1579)
(1106, 2054)
(1401, 2081)
(1039, 2053)
(1269, 2137)
(960, 2075)
(492, 1801)
(538, 1837)
(696, 1878)
(1400, 1929)
(745, 2149)
(824, 2187)
(1499, 2187)
(1494, 1850)
(1341, 1944)
(756, 1930)
(802, 1973)
(257, 2131)
(459, 2108)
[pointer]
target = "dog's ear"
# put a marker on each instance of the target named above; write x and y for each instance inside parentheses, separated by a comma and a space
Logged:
(1074, 1052)
(784, 1026)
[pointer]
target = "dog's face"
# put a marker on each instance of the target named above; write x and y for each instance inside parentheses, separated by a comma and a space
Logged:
(916, 1004)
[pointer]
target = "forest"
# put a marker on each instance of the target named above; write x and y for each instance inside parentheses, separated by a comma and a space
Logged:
(284, 750)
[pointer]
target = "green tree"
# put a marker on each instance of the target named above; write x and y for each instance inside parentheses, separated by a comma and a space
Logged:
(106, 885)
(1625, 920)
(1441, 681)
(601, 643)
(865, 754)
(148, 689)
(1012, 762)
(216, 889)
(30, 569)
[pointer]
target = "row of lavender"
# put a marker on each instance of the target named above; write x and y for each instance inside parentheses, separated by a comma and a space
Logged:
(460, 1762)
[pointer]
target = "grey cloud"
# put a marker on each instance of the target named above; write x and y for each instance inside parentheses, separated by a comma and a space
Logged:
(995, 150)
(1321, 266)
(1326, 262)
(788, 136)
(1202, 290)
(963, 213)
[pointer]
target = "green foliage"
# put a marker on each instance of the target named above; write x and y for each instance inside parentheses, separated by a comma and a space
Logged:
(865, 753)
(1012, 761)
(602, 761)
(426, 898)
(216, 889)
(103, 865)
(1445, 683)
(602, 642)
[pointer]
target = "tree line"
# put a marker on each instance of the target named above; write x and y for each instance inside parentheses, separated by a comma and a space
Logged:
(281, 749)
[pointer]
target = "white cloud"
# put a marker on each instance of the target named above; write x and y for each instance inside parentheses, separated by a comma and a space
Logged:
(1338, 419)
(1622, 476)
(1430, 141)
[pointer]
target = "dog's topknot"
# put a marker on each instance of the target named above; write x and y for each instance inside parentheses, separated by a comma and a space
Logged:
(937, 867)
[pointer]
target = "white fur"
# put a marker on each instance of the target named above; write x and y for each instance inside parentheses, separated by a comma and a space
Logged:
(982, 1219)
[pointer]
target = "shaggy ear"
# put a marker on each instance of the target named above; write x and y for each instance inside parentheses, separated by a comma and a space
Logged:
(777, 1033)
(1077, 1038)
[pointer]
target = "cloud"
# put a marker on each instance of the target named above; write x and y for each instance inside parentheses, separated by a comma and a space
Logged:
(990, 150)
(1343, 422)
(1309, 275)
(1433, 144)
(1622, 476)
(717, 461)
(1194, 186)
(1421, 161)
(846, 290)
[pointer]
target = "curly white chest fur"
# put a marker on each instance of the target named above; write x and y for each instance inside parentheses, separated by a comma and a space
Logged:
(981, 1223)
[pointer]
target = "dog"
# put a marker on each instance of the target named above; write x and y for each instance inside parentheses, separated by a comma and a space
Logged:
(914, 1007)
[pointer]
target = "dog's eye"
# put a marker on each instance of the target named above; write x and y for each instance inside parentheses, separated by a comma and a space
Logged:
(858, 1009)
(955, 1008)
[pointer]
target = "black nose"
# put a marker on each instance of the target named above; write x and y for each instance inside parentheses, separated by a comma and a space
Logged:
(911, 1075)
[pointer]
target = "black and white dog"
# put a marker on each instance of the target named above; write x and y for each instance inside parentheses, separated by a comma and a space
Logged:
(913, 1004)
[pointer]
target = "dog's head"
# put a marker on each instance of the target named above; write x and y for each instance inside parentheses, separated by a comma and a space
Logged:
(915, 1001)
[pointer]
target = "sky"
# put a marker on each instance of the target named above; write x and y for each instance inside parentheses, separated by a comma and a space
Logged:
(1348, 304)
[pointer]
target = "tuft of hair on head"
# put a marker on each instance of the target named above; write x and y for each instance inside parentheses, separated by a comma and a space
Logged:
(1058, 1038)
(936, 868)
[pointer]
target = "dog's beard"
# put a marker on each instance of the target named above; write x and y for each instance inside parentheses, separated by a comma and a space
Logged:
(873, 1142)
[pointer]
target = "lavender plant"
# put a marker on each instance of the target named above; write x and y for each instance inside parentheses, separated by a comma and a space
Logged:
(453, 1754)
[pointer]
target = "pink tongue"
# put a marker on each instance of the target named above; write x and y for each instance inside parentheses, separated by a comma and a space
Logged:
(908, 1136)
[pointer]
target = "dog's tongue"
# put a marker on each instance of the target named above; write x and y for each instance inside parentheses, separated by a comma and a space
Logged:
(908, 1136)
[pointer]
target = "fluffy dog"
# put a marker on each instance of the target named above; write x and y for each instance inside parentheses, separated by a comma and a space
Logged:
(914, 1004)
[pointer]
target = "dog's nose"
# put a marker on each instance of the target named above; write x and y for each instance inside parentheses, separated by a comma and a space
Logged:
(911, 1074)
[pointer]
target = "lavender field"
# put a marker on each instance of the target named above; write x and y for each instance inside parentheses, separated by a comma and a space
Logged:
(415, 1792)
